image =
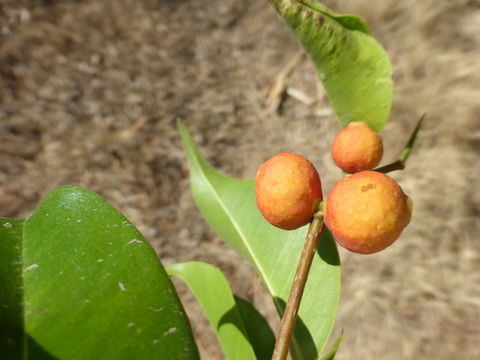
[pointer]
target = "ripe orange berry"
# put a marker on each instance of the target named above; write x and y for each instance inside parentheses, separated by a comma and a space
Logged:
(367, 211)
(357, 148)
(288, 190)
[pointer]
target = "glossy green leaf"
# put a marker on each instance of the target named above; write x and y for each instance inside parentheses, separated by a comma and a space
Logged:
(354, 68)
(242, 332)
(228, 205)
(11, 329)
(93, 288)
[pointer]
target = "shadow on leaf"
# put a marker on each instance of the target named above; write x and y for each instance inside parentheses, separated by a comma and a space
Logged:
(301, 333)
(255, 327)
(326, 250)
(36, 352)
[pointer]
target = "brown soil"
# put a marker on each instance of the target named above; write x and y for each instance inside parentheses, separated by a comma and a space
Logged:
(90, 91)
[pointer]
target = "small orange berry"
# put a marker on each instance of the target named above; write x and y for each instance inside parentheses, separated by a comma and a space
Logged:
(357, 148)
(367, 211)
(288, 190)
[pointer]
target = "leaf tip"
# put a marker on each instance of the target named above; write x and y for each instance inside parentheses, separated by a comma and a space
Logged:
(184, 134)
(180, 124)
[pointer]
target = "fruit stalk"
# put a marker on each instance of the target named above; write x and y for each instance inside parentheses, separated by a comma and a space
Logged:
(289, 316)
(399, 164)
(396, 165)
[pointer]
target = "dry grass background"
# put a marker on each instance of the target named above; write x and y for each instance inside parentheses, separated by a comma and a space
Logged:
(89, 94)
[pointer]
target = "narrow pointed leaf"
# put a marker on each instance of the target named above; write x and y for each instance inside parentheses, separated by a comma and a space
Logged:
(93, 288)
(411, 140)
(333, 349)
(242, 332)
(400, 163)
(228, 205)
(354, 68)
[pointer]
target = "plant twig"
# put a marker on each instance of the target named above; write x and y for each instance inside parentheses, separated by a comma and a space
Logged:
(396, 165)
(411, 141)
(289, 316)
(399, 164)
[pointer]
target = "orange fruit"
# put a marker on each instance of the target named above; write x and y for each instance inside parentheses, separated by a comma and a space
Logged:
(367, 211)
(288, 190)
(357, 148)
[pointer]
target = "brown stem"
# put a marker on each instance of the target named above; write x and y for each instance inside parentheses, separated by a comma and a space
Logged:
(288, 320)
(396, 165)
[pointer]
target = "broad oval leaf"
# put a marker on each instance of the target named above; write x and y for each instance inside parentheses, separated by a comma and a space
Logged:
(242, 332)
(11, 274)
(354, 68)
(93, 288)
(229, 206)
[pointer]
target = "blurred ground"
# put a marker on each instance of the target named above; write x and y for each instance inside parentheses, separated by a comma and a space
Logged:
(89, 94)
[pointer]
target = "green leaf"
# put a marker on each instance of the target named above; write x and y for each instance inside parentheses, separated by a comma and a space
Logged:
(11, 271)
(333, 350)
(259, 332)
(411, 140)
(229, 206)
(93, 288)
(400, 163)
(354, 68)
(242, 332)
(348, 21)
